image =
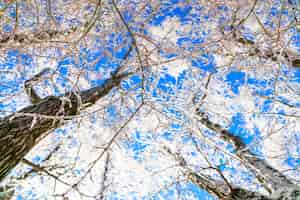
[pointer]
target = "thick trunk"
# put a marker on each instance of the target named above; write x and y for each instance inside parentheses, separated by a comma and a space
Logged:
(20, 131)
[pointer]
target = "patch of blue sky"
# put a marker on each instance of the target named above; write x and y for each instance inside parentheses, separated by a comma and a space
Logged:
(266, 106)
(222, 161)
(117, 40)
(7, 108)
(11, 82)
(25, 59)
(88, 55)
(295, 38)
(194, 14)
(205, 62)
(115, 196)
(167, 54)
(63, 69)
(183, 76)
(11, 59)
(237, 127)
(135, 196)
(123, 51)
(8, 86)
(281, 111)
(235, 79)
(248, 35)
(196, 192)
(186, 138)
(164, 90)
(165, 194)
(72, 22)
(12, 12)
(187, 41)
(275, 9)
(296, 76)
(8, 28)
(28, 195)
(37, 159)
(208, 133)
(293, 162)
(293, 159)
(169, 9)
(128, 16)
(244, 175)
(61, 132)
(167, 135)
(132, 82)
(112, 115)
(2, 107)
(160, 97)
(182, 12)
(223, 8)
(278, 9)
(66, 62)
(175, 126)
(19, 197)
(172, 112)
(166, 83)
(262, 87)
(136, 145)
(106, 64)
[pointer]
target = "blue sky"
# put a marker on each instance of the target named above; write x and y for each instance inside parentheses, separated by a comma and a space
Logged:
(167, 84)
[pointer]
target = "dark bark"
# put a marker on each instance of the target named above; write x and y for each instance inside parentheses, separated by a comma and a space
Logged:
(220, 190)
(269, 176)
(269, 54)
(32, 38)
(20, 131)
(275, 182)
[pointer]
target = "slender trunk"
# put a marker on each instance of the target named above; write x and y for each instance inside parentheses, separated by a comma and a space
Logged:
(276, 183)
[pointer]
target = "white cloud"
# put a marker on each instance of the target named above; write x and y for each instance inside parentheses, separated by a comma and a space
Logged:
(167, 29)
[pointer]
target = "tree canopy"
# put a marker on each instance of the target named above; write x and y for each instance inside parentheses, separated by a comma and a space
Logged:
(143, 99)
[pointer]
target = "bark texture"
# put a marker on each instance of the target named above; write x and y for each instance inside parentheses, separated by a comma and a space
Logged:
(20, 131)
(279, 186)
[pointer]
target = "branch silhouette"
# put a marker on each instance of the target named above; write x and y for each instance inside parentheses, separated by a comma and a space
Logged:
(21, 131)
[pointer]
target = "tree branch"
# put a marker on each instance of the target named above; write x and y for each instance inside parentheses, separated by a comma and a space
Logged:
(267, 175)
(19, 132)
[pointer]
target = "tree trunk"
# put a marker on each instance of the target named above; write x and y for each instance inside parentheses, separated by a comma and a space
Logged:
(276, 183)
(20, 131)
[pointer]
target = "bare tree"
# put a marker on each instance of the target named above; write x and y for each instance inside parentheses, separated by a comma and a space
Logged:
(135, 99)
(21, 131)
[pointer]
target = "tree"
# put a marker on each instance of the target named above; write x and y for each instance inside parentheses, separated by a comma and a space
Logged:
(149, 99)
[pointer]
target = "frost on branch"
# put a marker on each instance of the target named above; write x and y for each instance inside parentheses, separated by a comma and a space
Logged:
(207, 104)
